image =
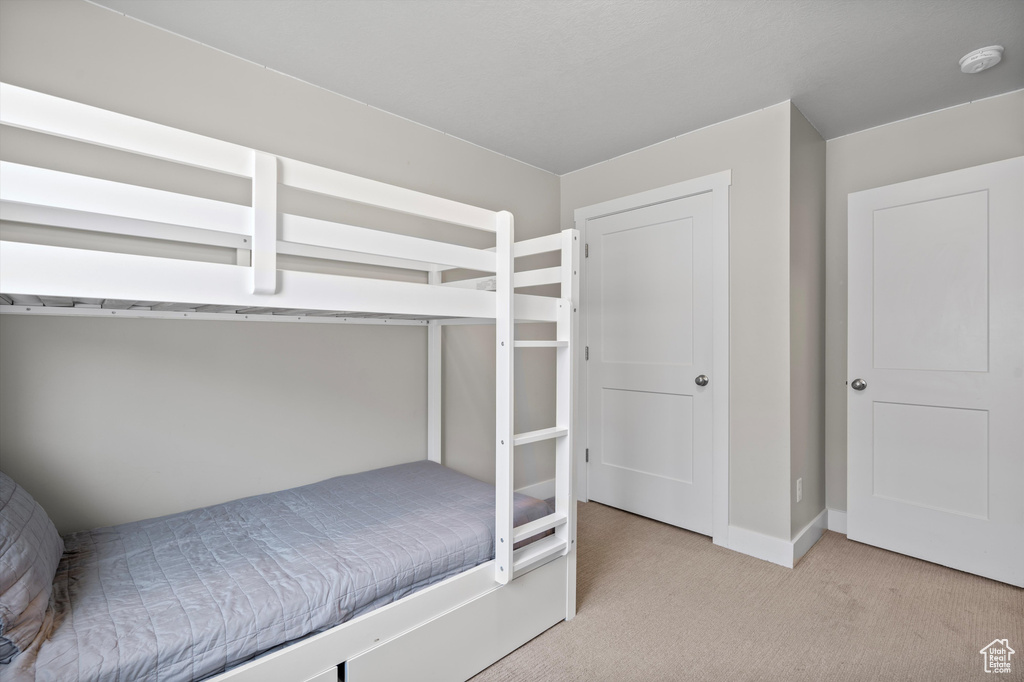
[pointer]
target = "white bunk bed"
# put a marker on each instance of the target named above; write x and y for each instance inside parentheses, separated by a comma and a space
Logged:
(449, 630)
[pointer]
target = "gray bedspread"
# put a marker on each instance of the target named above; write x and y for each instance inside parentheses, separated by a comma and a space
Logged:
(186, 596)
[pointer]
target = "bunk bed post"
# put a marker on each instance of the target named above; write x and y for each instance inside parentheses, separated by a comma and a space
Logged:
(264, 223)
(565, 376)
(504, 326)
(434, 378)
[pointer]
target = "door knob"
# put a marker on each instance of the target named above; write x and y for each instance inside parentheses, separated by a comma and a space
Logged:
(859, 384)
(702, 380)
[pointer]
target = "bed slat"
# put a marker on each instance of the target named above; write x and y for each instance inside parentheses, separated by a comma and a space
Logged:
(174, 307)
(217, 309)
(57, 301)
(117, 304)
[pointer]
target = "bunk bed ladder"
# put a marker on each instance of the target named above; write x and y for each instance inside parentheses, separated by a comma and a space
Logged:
(562, 520)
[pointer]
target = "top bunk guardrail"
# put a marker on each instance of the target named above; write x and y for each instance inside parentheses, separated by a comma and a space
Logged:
(259, 231)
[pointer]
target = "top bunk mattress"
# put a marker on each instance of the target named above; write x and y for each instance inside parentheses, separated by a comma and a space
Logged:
(186, 596)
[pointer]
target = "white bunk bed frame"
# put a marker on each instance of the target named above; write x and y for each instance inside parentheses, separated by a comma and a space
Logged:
(450, 630)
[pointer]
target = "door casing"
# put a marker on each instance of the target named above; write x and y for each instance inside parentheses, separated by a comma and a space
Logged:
(718, 185)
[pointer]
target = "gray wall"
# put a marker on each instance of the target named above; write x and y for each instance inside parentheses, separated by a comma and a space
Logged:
(106, 422)
(756, 148)
(964, 136)
(807, 319)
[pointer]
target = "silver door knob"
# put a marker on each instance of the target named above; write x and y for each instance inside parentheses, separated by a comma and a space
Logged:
(702, 380)
(858, 384)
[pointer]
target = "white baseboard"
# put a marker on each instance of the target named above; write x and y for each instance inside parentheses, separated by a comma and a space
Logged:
(811, 533)
(837, 521)
(776, 550)
(761, 546)
(542, 490)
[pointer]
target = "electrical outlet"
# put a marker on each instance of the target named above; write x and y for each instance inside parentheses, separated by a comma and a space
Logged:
(799, 489)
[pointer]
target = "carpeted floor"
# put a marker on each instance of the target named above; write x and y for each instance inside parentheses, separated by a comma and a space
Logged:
(659, 603)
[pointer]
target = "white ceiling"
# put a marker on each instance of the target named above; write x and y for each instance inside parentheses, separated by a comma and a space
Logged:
(562, 84)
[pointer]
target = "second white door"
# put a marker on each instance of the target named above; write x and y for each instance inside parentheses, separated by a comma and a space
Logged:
(936, 362)
(649, 337)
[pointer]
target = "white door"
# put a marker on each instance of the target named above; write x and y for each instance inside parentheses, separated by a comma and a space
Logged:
(649, 337)
(936, 369)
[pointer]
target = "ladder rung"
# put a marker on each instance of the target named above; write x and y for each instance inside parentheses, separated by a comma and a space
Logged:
(541, 434)
(542, 524)
(542, 344)
(535, 553)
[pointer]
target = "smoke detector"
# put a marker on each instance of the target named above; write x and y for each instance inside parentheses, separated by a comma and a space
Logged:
(982, 59)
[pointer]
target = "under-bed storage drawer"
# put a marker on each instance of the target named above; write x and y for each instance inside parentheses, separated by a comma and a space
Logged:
(465, 640)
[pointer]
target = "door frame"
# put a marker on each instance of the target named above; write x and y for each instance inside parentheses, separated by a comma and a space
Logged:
(718, 185)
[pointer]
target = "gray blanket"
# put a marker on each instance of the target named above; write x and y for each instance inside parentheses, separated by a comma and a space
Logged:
(186, 596)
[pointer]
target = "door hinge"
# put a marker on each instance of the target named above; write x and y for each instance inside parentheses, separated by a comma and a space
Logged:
(586, 250)
(586, 456)
(586, 353)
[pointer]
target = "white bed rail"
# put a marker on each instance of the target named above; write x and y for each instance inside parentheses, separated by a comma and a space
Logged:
(42, 196)
(43, 113)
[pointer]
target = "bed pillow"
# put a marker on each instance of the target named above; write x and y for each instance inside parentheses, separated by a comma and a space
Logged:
(30, 549)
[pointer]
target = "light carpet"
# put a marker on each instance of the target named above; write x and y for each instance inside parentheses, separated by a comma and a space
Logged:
(659, 603)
